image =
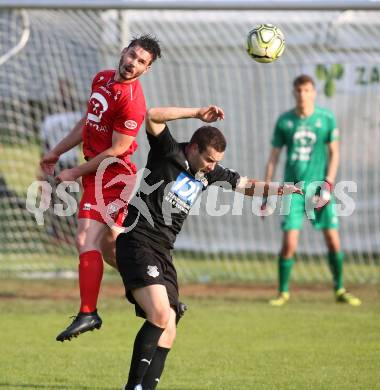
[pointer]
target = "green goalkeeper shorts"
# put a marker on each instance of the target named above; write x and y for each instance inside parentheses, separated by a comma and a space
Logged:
(294, 212)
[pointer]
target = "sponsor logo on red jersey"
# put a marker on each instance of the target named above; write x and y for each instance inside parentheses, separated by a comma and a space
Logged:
(130, 124)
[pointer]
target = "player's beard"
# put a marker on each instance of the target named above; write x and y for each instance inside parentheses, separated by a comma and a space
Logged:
(122, 71)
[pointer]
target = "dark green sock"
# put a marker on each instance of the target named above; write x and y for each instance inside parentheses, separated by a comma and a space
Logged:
(284, 271)
(336, 267)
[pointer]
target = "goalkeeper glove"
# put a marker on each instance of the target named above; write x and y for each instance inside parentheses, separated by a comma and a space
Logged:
(324, 194)
(263, 207)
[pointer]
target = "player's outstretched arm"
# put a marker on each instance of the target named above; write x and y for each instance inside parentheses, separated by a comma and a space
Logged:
(252, 187)
(157, 117)
(73, 139)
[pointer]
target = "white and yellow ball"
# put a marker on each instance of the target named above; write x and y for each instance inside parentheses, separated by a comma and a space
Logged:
(265, 43)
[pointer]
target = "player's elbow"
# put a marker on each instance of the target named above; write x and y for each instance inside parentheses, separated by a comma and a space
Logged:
(117, 150)
(156, 115)
(150, 115)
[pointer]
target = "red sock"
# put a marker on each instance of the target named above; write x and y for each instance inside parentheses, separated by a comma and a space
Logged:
(90, 277)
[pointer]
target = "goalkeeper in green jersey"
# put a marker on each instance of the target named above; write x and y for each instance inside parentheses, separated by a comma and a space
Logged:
(311, 138)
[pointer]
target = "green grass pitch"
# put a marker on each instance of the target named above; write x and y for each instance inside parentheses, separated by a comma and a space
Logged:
(227, 343)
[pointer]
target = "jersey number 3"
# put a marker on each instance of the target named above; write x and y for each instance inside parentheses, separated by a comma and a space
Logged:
(99, 105)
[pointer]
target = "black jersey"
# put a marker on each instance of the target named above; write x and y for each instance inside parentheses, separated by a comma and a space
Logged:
(166, 194)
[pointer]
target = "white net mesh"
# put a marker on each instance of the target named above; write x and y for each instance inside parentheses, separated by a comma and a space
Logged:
(204, 61)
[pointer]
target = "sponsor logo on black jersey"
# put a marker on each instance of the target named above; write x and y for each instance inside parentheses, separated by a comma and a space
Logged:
(184, 192)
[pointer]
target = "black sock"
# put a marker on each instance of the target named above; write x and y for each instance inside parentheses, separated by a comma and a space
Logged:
(143, 350)
(153, 375)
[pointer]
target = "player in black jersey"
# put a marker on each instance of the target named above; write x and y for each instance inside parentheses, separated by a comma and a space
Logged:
(176, 175)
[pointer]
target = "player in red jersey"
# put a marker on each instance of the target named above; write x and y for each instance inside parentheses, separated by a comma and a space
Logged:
(115, 112)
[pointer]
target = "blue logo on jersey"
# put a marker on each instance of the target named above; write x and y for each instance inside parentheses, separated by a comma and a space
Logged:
(187, 188)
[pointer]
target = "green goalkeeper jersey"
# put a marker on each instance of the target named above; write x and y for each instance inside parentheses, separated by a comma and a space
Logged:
(306, 140)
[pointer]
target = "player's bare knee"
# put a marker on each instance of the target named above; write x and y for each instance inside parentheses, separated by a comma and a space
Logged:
(80, 241)
(84, 243)
(168, 337)
(288, 251)
(159, 317)
(332, 241)
(172, 333)
(332, 247)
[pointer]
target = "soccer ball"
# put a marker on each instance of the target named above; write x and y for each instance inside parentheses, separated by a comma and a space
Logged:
(265, 43)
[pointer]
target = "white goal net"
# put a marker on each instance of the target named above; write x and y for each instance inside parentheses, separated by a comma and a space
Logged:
(48, 59)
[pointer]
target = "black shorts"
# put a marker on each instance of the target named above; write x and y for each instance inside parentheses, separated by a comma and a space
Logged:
(141, 264)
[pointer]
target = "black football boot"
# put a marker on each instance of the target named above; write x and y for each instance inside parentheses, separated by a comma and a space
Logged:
(83, 322)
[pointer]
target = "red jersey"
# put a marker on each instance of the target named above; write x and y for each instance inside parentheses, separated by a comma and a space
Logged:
(113, 106)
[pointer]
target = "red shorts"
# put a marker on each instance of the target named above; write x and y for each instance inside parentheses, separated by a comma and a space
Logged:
(106, 200)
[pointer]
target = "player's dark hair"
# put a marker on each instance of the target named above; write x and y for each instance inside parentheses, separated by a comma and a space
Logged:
(149, 43)
(303, 79)
(207, 136)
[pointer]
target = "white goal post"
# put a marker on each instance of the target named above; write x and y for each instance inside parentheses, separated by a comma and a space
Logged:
(49, 52)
